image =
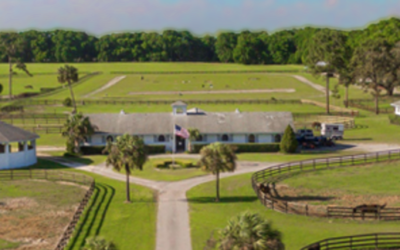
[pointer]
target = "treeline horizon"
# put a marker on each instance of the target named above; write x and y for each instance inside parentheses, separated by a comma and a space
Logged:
(288, 46)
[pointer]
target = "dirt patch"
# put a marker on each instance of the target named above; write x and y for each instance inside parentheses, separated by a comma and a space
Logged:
(331, 197)
(7, 205)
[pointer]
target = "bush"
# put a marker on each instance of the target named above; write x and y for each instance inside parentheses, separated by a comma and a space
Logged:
(46, 90)
(97, 150)
(289, 143)
(316, 125)
(173, 165)
(67, 102)
(246, 147)
(11, 108)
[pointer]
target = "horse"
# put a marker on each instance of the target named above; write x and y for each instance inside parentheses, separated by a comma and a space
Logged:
(368, 208)
(264, 188)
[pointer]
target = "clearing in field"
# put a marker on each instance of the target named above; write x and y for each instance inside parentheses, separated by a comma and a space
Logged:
(34, 214)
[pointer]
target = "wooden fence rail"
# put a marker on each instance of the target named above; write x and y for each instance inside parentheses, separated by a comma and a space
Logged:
(365, 105)
(56, 175)
(363, 241)
(205, 72)
(279, 172)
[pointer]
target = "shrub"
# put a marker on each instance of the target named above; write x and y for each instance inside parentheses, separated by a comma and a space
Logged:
(173, 165)
(316, 125)
(46, 90)
(11, 108)
(289, 143)
(67, 102)
(246, 147)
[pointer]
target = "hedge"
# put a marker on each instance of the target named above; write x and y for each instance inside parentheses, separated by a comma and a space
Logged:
(246, 147)
(96, 150)
(181, 163)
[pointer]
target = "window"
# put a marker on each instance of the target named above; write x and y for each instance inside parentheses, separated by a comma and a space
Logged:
(110, 138)
(85, 139)
(252, 138)
(2, 148)
(278, 138)
(225, 138)
(31, 145)
(199, 138)
(21, 146)
(161, 138)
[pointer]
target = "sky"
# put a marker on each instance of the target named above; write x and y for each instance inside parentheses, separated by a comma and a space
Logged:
(99, 17)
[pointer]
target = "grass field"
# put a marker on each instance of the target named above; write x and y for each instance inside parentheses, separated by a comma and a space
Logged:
(238, 196)
(33, 210)
(127, 225)
(210, 83)
(150, 66)
(155, 108)
(19, 83)
(372, 184)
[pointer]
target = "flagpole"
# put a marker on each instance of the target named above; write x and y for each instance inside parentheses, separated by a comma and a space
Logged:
(173, 146)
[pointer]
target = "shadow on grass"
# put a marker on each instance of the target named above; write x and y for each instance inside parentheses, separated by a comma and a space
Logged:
(357, 139)
(229, 199)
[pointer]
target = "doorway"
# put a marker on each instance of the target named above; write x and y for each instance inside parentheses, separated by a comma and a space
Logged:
(180, 144)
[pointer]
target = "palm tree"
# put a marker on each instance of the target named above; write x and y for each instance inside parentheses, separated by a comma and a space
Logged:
(76, 129)
(128, 153)
(12, 46)
(99, 243)
(69, 74)
(249, 231)
(194, 134)
(217, 158)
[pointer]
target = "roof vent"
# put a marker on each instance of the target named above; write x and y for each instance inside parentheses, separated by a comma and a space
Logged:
(237, 111)
(122, 112)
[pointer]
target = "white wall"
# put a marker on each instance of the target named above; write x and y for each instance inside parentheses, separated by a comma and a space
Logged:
(265, 138)
(18, 159)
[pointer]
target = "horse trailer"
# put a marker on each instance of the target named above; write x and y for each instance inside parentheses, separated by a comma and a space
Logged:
(332, 131)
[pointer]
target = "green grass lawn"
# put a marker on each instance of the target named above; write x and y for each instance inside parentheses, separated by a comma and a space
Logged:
(371, 180)
(154, 108)
(54, 203)
(202, 82)
(279, 157)
(238, 196)
(129, 226)
(55, 140)
(20, 82)
(152, 173)
(4, 245)
(84, 159)
(150, 66)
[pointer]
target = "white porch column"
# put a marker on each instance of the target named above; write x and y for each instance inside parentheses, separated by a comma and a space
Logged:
(7, 155)
(26, 155)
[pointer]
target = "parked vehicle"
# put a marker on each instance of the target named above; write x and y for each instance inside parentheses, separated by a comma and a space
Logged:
(332, 131)
(307, 134)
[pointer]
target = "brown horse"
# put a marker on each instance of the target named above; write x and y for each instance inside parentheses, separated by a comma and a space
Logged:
(264, 188)
(368, 208)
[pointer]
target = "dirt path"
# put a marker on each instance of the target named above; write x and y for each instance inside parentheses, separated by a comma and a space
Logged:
(311, 84)
(254, 91)
(108, 85)
(173, 226)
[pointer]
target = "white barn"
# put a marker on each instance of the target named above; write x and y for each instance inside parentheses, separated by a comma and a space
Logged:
(24, 152)
(158, 128)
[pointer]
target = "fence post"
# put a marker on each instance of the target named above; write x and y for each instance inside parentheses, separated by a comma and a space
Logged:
(327, 212)
(12, 174)
(352, 160)
(377, 156)
(301, 166)
(314, 164)
(306, 209)
(30, 173)
(286, 207)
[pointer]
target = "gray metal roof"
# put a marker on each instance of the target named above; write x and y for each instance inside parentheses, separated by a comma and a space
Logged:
(178, 103)
(395, 103)
(208, 123)
(9, 133)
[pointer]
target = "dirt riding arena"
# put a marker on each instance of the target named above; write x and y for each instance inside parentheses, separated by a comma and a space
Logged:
(36, 221)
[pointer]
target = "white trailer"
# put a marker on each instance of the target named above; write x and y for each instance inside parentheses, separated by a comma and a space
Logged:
(332, 131)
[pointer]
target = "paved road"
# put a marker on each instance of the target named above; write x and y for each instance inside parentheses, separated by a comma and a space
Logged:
(173, 227)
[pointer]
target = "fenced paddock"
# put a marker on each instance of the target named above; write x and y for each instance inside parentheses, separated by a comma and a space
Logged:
(374, 241)
(279, 172)
(369, 105)
(56, 175)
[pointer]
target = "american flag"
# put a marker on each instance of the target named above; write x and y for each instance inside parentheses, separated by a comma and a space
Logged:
(179, 131)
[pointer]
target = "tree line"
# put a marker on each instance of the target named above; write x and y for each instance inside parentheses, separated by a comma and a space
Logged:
(288, 46)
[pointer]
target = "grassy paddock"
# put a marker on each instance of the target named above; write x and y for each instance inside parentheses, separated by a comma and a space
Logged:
(203, 82)
(154, 108)
(127, 225)
(162, 66)
(238, 196)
